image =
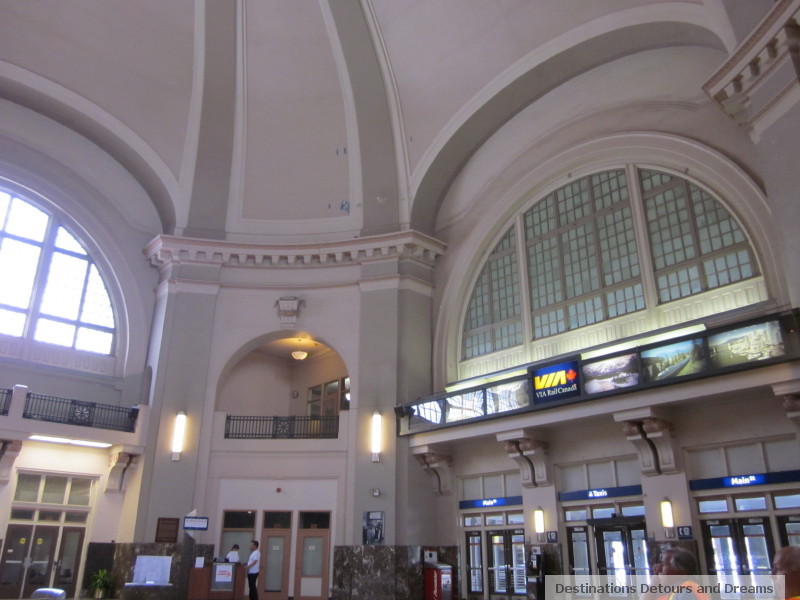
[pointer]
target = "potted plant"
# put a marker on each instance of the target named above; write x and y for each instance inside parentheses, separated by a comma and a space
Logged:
(101, 583)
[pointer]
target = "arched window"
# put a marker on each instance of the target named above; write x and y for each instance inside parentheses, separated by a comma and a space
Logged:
(52, 290)
(597, 249)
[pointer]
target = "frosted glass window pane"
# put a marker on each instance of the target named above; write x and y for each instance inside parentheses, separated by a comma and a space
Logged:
(18, 262)
(54, 488)
(609, 188)
(712, 506)
(515, 518)
(540, 219)
(54, 332)
(573, 202)
(493, 486)
(64, 287)
(544, 272)
(618, 253)
(93, 340)
(743, 504)
(79, 492)
(580, 268)
(495, 519)
(66, 241)
(473, 489)
(27, 221)
(575, 515)
(706, 463)
(549, 323)
(633, 511)
(744, 460)
(96, 304)
(585, 313)
(12, 323)
(628, 472)
(513, 485)
(787, 501)
(782, 455)
(508, 335)
(625, 300)
(27, 488)
(605, 512)
(505, 287)
(600, 475)
(573, 478)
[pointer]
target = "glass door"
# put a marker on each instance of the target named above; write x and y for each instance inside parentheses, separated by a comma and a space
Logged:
(506, 563)
(621, 551)
(276, 540)
(474, 563)
(311, 556)
(578, 547)
(43, 549)
(68, 560)
(738, 547)
(15, 560)
(789, 530)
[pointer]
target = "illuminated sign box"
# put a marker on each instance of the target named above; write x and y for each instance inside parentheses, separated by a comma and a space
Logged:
(491, 502)
(745, 480)
(555, 382)
(608, 492)
(196, 523)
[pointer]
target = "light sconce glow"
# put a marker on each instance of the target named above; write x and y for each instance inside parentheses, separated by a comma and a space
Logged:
(299, 354)
(667, 519)
(71, 442)
(178, 434)
(538, 520)
(377, 426)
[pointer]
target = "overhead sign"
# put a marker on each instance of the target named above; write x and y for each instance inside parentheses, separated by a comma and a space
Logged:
(491, 502)
(735, 481)
(555, 381)
(609, 492)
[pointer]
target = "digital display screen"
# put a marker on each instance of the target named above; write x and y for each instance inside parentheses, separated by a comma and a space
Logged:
(611, 374)
(195, 523)
(748, 344)
(674, 360)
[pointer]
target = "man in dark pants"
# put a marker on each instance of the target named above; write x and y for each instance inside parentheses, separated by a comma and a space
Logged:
(253, 566)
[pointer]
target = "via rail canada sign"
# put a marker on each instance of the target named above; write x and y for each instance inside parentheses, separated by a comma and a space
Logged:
(556, 381)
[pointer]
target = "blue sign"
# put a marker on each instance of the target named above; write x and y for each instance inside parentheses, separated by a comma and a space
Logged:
(609, 492)
(555, 382)
(685, 532)
(745, 480)
(552, 537)
(491, 502)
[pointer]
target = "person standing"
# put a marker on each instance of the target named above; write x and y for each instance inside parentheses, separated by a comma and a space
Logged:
(253, 566)
(233, 555)
(787, 563)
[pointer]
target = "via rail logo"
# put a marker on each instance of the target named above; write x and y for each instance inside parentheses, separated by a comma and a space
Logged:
(556, 381)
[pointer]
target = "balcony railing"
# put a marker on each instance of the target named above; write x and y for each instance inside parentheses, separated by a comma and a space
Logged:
(78, 412)
(263, 428)
(5, 401)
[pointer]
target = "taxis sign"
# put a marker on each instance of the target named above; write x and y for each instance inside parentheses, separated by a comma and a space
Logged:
(557, 381)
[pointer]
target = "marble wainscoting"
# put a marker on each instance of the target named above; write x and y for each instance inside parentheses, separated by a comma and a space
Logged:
(384, 572)
(120, 559)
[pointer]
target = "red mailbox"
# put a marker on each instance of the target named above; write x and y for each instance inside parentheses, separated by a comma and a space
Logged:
(438, 581)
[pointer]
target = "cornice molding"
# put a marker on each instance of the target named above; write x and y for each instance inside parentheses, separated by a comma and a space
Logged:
(409, 245)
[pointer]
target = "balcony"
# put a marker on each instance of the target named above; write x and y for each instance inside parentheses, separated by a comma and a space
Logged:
(19, 403)
(263, 428)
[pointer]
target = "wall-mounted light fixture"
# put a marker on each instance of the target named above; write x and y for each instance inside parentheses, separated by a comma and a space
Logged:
(667, 519)
(538, 523)
(178, 434)
(376, 438)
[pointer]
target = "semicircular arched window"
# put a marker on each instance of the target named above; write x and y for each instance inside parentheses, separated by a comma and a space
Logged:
(599, 249)
(53, 292)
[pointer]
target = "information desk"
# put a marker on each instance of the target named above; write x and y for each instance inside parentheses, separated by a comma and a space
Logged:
(217, 581)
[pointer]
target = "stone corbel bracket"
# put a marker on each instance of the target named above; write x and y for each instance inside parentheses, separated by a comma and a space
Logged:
(790, 392)
(9, 450)
(651, 435)
(289, 310)
(440, 468)
(531, 458)
(122, 465)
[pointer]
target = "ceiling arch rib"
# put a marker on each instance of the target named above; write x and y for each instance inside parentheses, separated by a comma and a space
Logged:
(95, 124)
(465, 137)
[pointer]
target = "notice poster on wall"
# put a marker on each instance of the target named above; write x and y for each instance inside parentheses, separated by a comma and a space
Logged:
(373, 528)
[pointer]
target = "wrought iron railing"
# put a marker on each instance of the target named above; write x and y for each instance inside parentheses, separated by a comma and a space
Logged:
(261, 428)
(5, 401)
(78, 412)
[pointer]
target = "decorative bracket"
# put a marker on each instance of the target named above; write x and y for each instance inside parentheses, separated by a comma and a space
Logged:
(288, 310)
(791, 404)
(652, 438)
(122, 465)
(440, 468)
(530, 456)
(9, 450)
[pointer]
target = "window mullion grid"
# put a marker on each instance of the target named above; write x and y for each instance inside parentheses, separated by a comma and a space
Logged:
(598, 256)
(523, 272)
(647, 269)
(40, 280)
(698, 258)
